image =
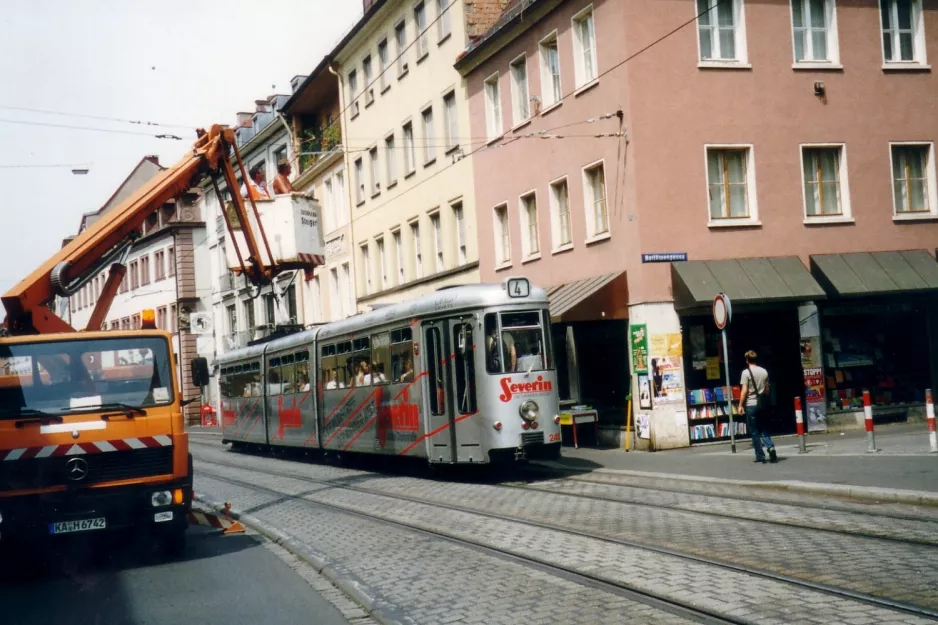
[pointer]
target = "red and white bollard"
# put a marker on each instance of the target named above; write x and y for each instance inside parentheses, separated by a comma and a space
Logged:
(799, 425)
(930, 417)
(868, 413)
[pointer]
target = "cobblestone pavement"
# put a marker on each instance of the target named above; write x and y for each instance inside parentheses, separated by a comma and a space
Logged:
(757, 599)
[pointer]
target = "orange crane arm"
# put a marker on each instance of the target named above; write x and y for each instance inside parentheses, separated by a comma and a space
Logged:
(112, 235)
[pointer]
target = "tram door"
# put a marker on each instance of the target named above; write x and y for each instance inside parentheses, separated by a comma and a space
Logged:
(438, 384)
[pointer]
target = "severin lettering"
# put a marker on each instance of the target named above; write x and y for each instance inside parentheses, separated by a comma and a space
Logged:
(538, 387)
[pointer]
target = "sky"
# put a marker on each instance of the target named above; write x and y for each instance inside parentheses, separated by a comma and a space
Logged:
(180, 63)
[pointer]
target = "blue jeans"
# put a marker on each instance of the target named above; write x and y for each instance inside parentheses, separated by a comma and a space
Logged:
(758, 436)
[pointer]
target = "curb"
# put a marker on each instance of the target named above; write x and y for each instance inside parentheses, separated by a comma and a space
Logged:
(383, 612)
(845, 491)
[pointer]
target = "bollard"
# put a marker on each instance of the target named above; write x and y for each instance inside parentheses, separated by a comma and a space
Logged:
(868, 413)
(930, 414)
(799, 425)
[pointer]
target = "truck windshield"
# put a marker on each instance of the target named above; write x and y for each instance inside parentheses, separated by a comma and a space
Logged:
(65, 377)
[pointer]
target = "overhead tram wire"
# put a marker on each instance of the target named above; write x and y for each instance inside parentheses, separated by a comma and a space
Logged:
(92, 129)
(96, 117)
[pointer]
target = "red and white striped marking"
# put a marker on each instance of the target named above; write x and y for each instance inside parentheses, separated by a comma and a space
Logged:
(207, 519)
(799, 425)
(930, 417)
(312, 259)
(868, 414)
(80, 449)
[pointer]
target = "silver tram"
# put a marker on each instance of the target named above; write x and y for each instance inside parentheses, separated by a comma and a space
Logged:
(462, 375)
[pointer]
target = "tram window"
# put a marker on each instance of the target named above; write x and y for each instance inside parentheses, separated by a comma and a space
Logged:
(240, 382)
(223, 382)
(302, 372)
(523, 341)
(287, 373)
(402, 355)
(343, 364)
(465, 368)
(435, 369)
(327, 374)
(274, 384)
(380, 357)
(361, 358)
(548, 343)
(493, 354)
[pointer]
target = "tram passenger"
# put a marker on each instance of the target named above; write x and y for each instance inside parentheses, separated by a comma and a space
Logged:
(303, 382)
(531, 356)
(364, 372)
(408, 374)
(330, 380)
(378, 376)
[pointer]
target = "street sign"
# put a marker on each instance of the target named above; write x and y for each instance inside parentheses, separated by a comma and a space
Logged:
(722, 311)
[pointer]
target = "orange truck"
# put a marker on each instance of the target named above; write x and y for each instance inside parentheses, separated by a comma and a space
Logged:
(92, 435)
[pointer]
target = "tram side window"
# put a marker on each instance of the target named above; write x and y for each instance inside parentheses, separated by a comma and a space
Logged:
(254, 377)
(402, 355)
(493, 352)
(274, 384)
(224, 383)
(380, 357)
(302, 372)
(435, 370)
(287, 374)
(548, 344)
(327, 375)
(465, 368)
(361, 358)
(344, 364)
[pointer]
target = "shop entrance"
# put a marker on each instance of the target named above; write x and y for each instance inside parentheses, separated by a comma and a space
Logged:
(774, 336)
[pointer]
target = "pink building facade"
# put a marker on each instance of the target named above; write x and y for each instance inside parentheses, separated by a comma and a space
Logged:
(641, 157)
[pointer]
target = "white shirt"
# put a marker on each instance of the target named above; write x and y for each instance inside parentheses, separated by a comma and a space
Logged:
(756, 386)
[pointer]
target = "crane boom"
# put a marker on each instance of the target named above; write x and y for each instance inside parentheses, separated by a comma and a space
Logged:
(110, 238)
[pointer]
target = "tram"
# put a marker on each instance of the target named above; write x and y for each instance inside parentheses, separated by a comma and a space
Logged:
(464, 375)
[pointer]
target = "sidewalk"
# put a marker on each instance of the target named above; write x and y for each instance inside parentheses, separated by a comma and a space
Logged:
(837, 460)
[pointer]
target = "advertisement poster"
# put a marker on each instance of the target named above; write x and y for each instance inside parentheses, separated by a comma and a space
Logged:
(668, 380)
(810, 353)
(644, 426)
(713, 368)
(675, 346)
(644, 392)
(815, 410)
(638, 335)
(658, 345)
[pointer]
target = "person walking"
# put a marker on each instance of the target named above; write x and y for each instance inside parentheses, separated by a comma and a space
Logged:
(752, 401)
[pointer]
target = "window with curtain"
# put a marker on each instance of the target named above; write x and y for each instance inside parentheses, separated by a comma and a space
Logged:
(910, 170)
(811, 24)
(822, 181)
(727, 176)
(717, 29)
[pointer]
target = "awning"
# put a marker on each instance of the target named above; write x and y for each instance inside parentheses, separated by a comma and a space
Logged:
(745, 280)
(565, 296)
(876, 273)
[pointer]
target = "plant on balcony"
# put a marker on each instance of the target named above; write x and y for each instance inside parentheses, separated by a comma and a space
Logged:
(308, 143)
(331, 137)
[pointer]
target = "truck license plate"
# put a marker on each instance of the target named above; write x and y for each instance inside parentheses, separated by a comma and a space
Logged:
(83, 525)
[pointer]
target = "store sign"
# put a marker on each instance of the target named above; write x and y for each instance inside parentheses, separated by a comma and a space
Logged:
(638, 335)
(665, 257)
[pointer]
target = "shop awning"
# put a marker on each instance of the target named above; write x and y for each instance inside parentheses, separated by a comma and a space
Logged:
(745, 280)
(565, 296)
(876, 273)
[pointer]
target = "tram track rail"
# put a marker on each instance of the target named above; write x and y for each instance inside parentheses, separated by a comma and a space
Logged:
(843, 593)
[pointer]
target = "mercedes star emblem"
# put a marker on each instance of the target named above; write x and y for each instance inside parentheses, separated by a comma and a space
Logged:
(74, 433)
(76, 469)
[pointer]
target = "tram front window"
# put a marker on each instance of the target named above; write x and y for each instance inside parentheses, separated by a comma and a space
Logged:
(521, 345)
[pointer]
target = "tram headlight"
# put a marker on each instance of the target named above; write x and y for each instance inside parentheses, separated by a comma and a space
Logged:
(529, 410)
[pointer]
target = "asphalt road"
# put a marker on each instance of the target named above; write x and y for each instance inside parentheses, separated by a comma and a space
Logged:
(220, 579)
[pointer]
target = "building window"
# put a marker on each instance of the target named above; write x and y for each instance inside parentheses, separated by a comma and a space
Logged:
(383, 64)
(550, 70)
(418, 257)
(594, 187)
(161, 317)
(317, 300)
(328, 205)
(400, 37)
(134, 276)
(814, 30)
(359, 182)
(720, 30)
(450, 121)
(730, 183)
(493, 107)
(346, 289)
(382, 263)
(443, 23)
(353, 92)
(135, 322)
(460, 220)
(232, 321)
(366, 268)
(159, 262)
(249, 316)
(584, 47)
(144, 270)
(903, 31)
(171, 258)
(390, 158)
(398, 256)
(520, 100)
(375, 171)
(529, 242)
(824, 181)
(409, 156)
(335, 299)
(420, 24)
(502, 235)
(561, 233)
(913, 175)
(366, 73)
(341, 206)
(429, 149)
(437, 241)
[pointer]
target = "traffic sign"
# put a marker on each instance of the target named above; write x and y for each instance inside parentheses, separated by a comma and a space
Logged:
(722, 311)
